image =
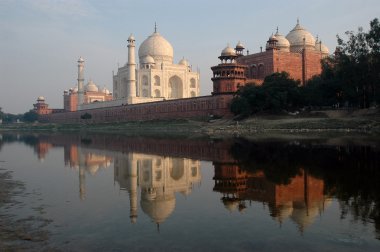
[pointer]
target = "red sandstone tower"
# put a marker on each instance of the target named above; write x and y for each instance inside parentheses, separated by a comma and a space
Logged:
(228, 76)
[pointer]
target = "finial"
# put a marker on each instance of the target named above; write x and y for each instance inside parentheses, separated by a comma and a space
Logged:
(298, 20)
(155, 27)
(277, 30)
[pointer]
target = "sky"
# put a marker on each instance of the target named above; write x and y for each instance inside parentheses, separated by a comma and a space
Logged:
(41, 40)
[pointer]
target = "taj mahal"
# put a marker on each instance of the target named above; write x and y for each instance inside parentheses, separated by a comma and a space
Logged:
(155, 78)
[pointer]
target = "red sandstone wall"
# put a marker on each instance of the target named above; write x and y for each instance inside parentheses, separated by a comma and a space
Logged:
(203, 106)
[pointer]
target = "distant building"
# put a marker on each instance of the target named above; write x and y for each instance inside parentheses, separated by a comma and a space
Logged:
(41, 107)
(92, 93)
(298, 54)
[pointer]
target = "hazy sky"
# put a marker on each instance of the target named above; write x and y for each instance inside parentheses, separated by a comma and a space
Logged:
(41, 40)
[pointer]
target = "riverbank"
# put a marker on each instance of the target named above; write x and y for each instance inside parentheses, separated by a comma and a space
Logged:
(364, 122)
(19, 234)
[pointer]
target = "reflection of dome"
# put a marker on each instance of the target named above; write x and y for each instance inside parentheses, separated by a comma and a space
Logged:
(230, 204)
(284, 211)
(92, 168)
(304, 216)
(282, 43)
(228, 51)
(160, 208)
(91, 87)
(157, 47)
(296, 38)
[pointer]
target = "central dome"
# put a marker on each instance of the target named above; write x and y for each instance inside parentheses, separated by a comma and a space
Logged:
(157, 47)
(298, 37)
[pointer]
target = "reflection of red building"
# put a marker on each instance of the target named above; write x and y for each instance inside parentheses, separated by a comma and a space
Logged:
(300, 200)
(42, 148)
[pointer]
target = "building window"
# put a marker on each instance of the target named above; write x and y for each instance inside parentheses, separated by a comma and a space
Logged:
(157, 93)
(193, 83)
(157, 81)
(145, 80)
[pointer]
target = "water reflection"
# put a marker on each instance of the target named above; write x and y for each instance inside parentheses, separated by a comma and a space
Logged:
(159, 178)
(301, 200)
(295, 180)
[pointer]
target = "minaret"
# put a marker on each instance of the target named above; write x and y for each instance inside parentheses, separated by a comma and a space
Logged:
(131, 75)
(80, 82)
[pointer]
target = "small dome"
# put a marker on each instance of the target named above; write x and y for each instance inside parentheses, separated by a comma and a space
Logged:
(131, 37)
(320, 47)
(80, 60)
(157, 47)
(298, 37)
(282, 43)
(147, 60)
(228, 51)
(75, 89)
(41, 98)
(91, 87)
(239, 45)
(106, 91)
(183, 62)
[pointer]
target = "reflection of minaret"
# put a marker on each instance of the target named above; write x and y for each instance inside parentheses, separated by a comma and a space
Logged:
(82, 184)
(132, 190)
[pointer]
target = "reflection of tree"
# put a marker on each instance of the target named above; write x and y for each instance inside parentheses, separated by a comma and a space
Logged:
(350, 172)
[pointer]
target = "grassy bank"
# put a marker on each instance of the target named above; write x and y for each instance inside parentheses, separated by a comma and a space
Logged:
(365, 122)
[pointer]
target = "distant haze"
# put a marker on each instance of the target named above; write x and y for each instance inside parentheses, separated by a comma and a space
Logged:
(41, 40)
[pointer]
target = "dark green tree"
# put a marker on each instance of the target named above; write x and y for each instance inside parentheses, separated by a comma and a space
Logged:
(30, 116)
(357, 65)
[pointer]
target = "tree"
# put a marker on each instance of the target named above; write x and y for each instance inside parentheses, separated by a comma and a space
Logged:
(278, 92)
(357, 65)
(30, 116)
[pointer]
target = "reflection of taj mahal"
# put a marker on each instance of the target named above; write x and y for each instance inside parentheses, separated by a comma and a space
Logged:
(159, 179)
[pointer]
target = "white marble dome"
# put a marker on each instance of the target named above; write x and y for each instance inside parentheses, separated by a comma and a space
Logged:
(75, 89)
(41, 98)
(157, 47)
(106, 91)
(228, 51)
(91, 87)
(282, 43)
(147, 60)
(183, 62)
(296, 39)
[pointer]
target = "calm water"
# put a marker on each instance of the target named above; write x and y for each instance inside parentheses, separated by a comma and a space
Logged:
(113, 193)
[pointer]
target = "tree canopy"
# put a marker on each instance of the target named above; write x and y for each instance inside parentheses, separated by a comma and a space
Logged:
(350, 78)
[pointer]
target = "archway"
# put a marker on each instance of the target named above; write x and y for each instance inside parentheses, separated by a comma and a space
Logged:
(175, 87)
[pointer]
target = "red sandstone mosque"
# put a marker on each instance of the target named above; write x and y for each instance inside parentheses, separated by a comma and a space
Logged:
(161, 89)
(298, 54)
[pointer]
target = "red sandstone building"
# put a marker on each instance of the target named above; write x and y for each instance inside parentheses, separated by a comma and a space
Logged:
(298, 54)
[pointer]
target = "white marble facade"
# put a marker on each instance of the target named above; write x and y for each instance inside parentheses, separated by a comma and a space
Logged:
(156, 77)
